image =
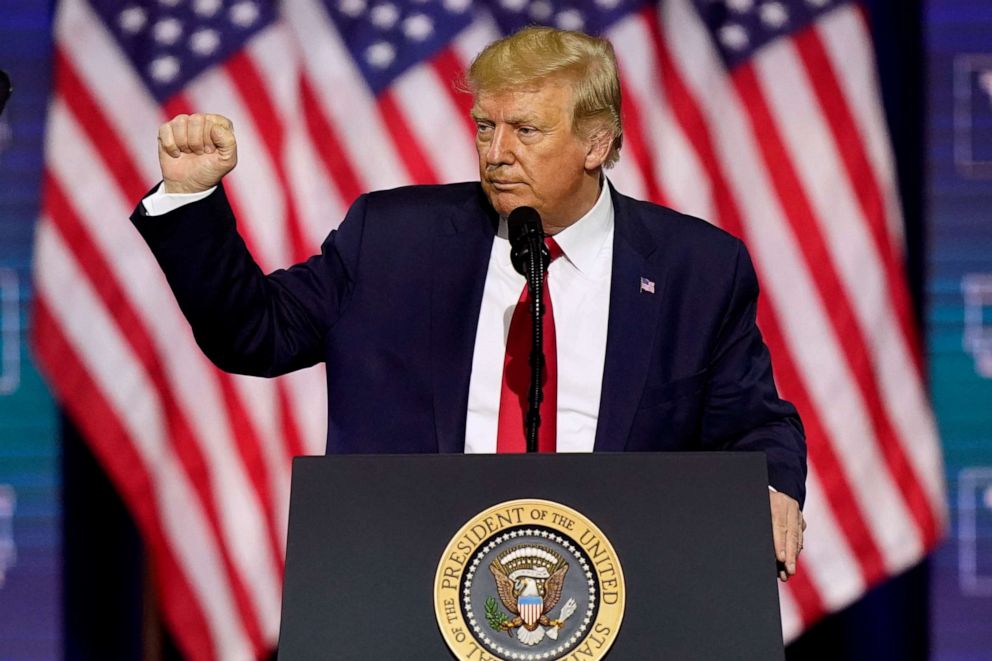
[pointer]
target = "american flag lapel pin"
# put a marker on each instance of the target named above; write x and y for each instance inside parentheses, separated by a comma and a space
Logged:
(647, 286)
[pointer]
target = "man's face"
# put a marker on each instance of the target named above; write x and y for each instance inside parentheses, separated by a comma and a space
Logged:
(529, 155)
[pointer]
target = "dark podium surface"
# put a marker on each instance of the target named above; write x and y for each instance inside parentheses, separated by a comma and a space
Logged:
(691, 530)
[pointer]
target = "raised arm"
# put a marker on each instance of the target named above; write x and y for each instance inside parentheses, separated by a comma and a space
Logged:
(245, 321)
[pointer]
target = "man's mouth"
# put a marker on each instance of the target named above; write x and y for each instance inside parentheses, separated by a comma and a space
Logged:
(503, 185)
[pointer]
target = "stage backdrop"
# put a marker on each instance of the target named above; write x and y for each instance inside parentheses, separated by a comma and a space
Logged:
(959, 317)
(246, 52)
(30, 550)
(762, 117)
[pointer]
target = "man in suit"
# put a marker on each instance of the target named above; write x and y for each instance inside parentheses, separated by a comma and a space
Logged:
(411, 301)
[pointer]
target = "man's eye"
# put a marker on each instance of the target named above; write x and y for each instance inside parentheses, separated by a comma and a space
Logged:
(483, 128)
(527, 131)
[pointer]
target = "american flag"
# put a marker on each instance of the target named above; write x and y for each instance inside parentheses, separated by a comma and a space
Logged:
(760, 116)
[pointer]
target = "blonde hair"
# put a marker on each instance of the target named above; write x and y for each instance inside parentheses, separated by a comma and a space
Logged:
(535, 54)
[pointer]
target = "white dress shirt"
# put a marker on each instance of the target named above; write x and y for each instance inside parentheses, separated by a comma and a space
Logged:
(160, 203)
(579, 285)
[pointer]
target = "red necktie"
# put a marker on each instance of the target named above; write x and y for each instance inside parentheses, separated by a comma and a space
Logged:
(513, 403)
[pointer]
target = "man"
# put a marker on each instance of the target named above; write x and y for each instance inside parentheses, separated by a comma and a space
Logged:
(411, 301)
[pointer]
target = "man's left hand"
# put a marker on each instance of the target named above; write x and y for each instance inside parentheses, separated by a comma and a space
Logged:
(788, 525)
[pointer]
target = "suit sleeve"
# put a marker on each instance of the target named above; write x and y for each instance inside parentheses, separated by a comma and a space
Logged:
(245, 321)
(743, 409)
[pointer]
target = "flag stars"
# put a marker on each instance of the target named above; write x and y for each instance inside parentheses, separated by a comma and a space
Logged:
(734, 37)
(540, 10)
(773, 14)
(387, 37)
(380, 54)
(607, 5)
(164, 69)
(746, 26)
(244, 13)
(513, 5)
(132, 20)
(352, 8)
(171, 42)
(418, 27)
(384, 16)
(207, 8)
(204, 42)
(570, 19)
(167, 31)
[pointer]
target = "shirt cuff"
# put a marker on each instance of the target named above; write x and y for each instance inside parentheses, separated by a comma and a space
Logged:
(160, 203)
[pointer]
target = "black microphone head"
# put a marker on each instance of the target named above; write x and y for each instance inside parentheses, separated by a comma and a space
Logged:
(522, 224)
(525, 232)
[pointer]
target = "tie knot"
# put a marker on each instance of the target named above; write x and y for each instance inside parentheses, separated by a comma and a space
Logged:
(553, 248)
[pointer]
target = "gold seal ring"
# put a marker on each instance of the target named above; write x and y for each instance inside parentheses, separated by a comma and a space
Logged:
(529, 580)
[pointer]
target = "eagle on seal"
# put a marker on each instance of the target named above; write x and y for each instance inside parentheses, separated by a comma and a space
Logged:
(529, 592)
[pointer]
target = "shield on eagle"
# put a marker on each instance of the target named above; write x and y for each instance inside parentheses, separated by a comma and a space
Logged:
(531, 608)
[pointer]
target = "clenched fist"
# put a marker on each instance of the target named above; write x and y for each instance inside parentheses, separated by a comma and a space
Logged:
(196, 151)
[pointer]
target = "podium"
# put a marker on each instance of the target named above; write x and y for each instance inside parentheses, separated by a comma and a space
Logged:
(376, 543)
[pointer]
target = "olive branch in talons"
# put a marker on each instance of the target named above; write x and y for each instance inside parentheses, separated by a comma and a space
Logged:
(495, 616)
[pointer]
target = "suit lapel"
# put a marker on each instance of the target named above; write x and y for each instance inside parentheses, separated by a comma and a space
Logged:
(631, 326)
(459, 266)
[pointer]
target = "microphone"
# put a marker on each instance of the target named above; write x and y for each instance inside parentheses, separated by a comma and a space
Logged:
(526, 233)
(530, 258)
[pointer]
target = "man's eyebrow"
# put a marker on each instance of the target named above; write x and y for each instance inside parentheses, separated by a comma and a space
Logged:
(526, 118)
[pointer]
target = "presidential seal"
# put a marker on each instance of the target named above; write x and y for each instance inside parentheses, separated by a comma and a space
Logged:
(529, 580)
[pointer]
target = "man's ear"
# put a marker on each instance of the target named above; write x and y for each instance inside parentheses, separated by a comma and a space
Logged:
(598, 147)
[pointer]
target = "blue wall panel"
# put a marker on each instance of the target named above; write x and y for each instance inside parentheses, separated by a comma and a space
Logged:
(959, 317)
(30, 503)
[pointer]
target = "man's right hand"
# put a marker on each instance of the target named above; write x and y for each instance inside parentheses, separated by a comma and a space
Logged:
(195, 152)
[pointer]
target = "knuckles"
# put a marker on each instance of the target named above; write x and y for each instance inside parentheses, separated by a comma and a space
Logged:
(191, 134)
(182, 121)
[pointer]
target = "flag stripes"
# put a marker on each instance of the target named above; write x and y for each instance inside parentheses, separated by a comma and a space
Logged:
(838, 306)
(787, 150)
(451, 74)
(862, 179)
(719, 129)
(97, 418)
(325, 138)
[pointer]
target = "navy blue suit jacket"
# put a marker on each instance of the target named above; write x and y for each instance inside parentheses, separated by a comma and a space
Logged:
(391, 305)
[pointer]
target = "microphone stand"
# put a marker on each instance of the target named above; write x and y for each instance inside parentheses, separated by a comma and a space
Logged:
(535, 284)
(530, 258)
